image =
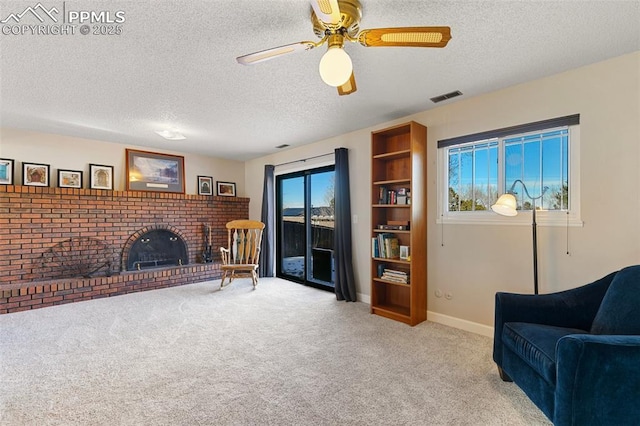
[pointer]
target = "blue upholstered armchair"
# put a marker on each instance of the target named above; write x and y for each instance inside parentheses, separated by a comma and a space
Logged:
(576, 353)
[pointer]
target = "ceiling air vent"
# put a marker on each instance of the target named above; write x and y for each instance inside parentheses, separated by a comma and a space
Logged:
(446, 96)
(284, 145)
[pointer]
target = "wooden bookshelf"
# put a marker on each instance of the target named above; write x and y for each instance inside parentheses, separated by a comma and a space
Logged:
(398, 165)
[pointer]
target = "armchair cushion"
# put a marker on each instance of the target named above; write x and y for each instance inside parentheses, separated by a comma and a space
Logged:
(535, 344)
(618, 312)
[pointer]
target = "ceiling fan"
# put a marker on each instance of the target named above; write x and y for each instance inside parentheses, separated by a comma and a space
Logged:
(337, 21)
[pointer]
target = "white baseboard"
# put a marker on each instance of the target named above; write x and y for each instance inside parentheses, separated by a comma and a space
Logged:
(364, 298)
(473, 327)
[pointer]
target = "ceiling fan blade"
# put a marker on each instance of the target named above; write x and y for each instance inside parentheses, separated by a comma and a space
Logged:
(327, 11)
(349, 87)
(406, 36)
(265, 55)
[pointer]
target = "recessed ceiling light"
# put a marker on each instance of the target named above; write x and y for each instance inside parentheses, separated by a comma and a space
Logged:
(172, 135)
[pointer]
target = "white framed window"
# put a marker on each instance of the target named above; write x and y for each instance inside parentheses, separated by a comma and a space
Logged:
(476, 169)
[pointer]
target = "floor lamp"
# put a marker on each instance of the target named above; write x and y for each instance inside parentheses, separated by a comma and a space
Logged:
(506, 206)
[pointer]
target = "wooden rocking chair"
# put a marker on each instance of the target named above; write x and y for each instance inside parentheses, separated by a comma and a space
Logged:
(240, 257)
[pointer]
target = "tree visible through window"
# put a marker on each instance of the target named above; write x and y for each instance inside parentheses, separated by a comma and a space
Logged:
(473, 176)
(476, 170)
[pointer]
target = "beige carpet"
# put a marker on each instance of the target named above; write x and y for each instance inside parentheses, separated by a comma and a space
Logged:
(283, 354)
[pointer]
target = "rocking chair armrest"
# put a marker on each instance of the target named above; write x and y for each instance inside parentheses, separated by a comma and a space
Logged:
(224, 254)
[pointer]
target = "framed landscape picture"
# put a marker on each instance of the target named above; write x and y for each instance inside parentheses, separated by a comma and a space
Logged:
(69, 178)
(226, 189)
(6, 171)
(205, 185)
(149, 171)
(35, 174)
(100, 176)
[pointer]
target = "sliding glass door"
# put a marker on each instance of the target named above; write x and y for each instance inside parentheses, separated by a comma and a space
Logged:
(290, 194)
(305, 225)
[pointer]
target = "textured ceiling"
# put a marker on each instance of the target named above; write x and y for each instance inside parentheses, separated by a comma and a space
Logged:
(173, 66)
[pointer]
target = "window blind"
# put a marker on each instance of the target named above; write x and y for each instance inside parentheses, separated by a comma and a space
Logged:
(568, 120)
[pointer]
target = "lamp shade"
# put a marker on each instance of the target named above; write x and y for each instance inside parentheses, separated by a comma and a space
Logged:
(506, 205)
(335, 66)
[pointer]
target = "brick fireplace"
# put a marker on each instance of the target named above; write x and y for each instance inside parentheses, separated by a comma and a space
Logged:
(35, 219)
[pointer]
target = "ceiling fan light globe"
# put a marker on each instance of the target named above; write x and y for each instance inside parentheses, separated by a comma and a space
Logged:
(335, 67)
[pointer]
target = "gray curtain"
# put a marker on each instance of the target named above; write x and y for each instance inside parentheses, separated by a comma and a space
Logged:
(268, 217)
(345, 286)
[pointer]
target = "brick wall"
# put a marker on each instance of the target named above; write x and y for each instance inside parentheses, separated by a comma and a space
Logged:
(34, 219)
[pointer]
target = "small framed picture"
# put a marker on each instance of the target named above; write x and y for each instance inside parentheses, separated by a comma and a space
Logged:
(35, 174)
(205, 185)
(226, 189)
(69, 178)
(404, 253)
(100, 176)
(6, 171)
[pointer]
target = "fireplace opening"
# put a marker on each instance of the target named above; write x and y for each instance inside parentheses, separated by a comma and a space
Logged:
(157, 248)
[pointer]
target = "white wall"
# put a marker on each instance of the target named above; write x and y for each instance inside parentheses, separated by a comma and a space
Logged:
(476, 261)
(65, 152)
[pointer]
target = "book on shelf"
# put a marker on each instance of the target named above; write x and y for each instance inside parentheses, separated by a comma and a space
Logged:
(383, 197)
(395, 276)
(392, 248)
(386, 246)
(398, 275)
(396, 272)
(393, 196)
(389, 197)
